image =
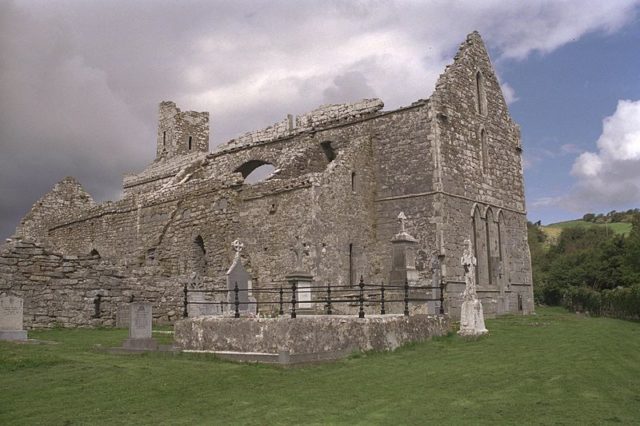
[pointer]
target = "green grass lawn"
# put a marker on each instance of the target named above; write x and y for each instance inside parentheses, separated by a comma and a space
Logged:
(551, 368)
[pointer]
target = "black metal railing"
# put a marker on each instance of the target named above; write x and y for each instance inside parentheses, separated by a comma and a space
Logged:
(285, 298)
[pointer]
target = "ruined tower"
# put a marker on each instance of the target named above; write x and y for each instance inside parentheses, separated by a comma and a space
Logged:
(181, 132)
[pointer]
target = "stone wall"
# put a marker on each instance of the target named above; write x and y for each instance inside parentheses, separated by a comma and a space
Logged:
(342, 174)
(61, 290)
(307, 335)
(321, 116)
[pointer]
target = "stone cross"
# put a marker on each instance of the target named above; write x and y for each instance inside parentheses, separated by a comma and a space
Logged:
(299, 249)
(469, 262)
(402, 219)
(471, 314)
(237, 246)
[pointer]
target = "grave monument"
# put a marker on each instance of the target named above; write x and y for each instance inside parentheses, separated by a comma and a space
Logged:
(471, 315)
(140, 328)
(11, 318)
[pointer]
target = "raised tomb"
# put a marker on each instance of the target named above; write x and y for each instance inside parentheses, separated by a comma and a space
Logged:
(341, 175)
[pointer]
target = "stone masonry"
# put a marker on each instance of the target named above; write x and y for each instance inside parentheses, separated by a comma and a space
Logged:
(342, 175)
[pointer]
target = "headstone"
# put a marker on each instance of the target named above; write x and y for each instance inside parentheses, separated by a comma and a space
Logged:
(238, 275)
(200, 300)
(11, 318)
(403, 266)
(302, 279)
(123, 315)
(471, 315)
(303, 289)
(199, 305)
(140, 328)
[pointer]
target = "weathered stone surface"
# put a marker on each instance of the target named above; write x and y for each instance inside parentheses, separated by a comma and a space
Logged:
(307, 334)
(140, 328)
(471, 315)
(11, 318)
(451, 163)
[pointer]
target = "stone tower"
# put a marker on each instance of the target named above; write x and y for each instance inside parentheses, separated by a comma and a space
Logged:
(181, 132)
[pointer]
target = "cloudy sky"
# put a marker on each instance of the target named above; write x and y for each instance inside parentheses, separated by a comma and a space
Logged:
(80, 82)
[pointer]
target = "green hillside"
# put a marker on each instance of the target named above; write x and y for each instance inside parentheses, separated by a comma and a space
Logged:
(553, 230)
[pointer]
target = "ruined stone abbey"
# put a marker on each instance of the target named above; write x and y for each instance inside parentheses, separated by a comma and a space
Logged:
(342, 174)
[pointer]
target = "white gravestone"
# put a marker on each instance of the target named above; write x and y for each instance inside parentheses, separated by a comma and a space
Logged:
(471, 315)
(237, 275)
(140, 328)
(11, 318)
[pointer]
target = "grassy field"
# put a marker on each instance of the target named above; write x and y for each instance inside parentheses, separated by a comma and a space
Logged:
(553, 230)
(551, 368)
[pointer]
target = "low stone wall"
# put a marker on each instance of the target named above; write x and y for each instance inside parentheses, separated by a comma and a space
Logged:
(62, 290)
(320, 335)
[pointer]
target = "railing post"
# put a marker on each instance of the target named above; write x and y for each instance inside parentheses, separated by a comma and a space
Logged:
(281, 311)
(441, 296)
(361, 312)
(237, 300)
(185, 302)
(329, 310)
(293, 298)
(406, 298)
(382, 311)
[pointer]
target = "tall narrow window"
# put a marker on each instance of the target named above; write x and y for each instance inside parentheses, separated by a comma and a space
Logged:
(350, 264)
(484, 151)
(480, 94)
(190, 141)
(199, 255)
(353, 181)
(164, 138)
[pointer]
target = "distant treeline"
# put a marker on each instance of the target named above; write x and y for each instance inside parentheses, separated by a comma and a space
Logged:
(611, 217)
(589, 269)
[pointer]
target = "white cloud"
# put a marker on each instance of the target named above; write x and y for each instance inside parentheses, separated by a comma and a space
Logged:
(611, 176)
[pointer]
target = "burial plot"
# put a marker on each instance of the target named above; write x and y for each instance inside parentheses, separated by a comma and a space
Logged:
(11, 318)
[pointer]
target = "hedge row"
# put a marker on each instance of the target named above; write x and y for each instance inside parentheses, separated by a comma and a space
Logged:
(620, 302)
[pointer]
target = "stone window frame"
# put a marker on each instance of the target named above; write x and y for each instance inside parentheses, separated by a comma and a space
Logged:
(483, 142)
(480, 93)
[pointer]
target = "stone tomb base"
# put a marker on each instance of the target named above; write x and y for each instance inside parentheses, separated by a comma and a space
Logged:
(13, 335)
(308, 338)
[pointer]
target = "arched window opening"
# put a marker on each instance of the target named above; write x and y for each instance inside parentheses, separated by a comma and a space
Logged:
(328, 151)
(190, 142)
(479, 227)
(199, 255)
(353, 181)
(481, 98)
(351, 278)
(255, 171)
(484, 152)
(94, 253)
(492, 243)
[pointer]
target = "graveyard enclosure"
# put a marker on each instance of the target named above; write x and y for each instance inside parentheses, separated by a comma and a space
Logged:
(307, 338)
(339, 177)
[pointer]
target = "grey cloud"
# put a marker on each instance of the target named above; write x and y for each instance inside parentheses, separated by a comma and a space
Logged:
(80, 81)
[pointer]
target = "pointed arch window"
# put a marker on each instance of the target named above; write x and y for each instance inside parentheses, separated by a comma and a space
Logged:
(481, 96)
(484, 152)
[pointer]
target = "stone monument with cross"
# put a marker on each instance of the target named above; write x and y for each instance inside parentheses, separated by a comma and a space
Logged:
(238, 276)
(471, 315)
(403, 266)
(299, 278)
